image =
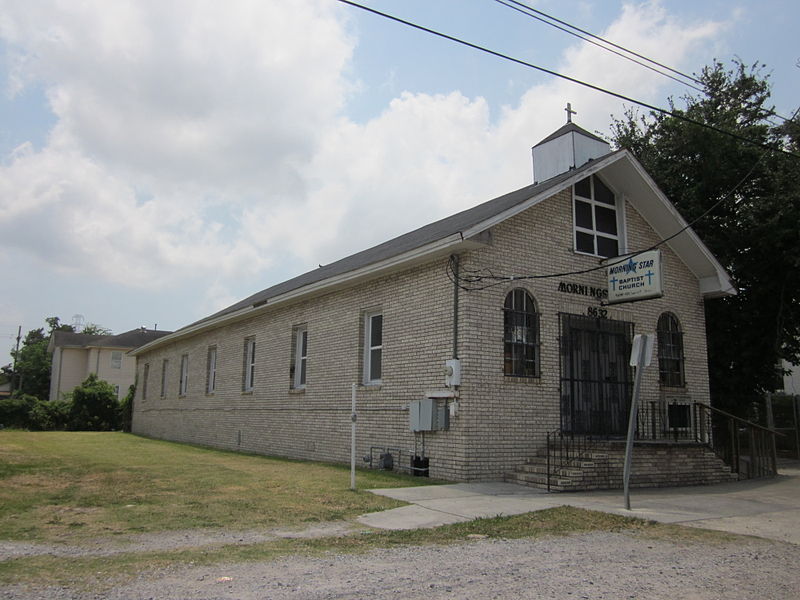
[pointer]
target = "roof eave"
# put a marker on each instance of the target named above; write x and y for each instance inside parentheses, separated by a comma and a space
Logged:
(431, 251)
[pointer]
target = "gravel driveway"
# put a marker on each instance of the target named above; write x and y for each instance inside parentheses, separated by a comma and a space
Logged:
(592, 566)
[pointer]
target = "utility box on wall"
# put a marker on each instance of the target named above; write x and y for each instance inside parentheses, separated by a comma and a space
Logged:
(428, 415)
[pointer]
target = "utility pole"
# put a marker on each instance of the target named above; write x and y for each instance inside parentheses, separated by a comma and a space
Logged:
(16, 352)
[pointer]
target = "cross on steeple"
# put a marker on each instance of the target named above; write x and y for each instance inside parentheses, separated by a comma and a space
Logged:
(570, 112)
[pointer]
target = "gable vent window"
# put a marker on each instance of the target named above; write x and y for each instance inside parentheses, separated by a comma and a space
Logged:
(596, 218)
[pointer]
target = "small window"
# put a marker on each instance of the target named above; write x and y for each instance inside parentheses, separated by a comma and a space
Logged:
(145, 377)
(596, 219)
(670, 351)
(521, 335)
(164, 369)
(373, 348)
(116, 391)
(249, 376)
(183, 383)
(299, 358)
(211, 370)
(116, 359)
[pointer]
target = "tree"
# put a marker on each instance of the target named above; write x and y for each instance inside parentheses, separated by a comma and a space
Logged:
(94, 406)
(95, 329)
(32, 375)
(754, 231)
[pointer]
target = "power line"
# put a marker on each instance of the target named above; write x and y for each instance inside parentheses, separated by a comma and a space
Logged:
(476, 275)
(523, 8)
(568, 78)
(587, 37)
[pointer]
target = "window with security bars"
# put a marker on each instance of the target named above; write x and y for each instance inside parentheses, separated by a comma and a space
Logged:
(521, 335)
(670, 351)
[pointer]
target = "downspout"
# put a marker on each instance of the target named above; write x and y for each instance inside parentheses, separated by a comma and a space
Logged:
(454, 266)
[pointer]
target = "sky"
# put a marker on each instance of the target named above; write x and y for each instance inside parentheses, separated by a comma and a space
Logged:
(161, 160)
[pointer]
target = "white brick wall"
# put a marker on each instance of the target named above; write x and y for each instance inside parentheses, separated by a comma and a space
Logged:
(500, 420)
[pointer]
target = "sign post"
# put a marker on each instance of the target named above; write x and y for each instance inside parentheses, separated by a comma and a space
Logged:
(641, 356)
(353, 439)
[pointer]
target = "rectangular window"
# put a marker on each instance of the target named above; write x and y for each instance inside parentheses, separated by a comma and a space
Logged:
(249, 375)
(595, 218)
(183, 384)
(211, 370)
(164, 369)
(116, 391)
(373, 347)
(299, 358)
(116, 359)
(145, 376)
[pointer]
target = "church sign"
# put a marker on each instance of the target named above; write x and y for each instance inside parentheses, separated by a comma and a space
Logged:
(636, 277)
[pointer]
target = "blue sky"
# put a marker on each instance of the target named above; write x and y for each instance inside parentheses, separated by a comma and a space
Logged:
(159, 161)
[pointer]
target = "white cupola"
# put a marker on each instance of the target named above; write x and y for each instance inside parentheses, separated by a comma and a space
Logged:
(568, 148)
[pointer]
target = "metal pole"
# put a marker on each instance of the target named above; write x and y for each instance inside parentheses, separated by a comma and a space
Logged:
(353, 439)
(771, 425)
(796, 429)
(637, 384)
(14, 368)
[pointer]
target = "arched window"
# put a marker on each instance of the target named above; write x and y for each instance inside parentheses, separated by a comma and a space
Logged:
(670, 351)
(521, 335)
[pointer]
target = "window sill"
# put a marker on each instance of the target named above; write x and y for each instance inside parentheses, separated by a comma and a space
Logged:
(517, 379)
(247, 393)
(300, 391)
(590, 255)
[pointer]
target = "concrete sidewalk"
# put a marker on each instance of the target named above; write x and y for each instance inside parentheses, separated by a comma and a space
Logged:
(767, 508)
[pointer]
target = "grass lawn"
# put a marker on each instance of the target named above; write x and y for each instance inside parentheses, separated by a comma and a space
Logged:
(69, 486)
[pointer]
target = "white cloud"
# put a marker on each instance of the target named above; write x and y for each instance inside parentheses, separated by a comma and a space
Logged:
(205, 142)
(429, 156)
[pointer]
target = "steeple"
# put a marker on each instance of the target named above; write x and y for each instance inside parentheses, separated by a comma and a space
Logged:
(567, 148)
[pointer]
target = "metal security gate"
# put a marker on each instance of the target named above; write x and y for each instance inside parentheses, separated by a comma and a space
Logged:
(596, 379)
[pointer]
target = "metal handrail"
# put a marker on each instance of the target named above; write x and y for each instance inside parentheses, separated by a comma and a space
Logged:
(746, 447)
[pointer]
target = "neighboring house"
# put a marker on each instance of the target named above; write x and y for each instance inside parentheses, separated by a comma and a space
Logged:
(535, 356)
(76, 355)
(791, 380)
(5, 389)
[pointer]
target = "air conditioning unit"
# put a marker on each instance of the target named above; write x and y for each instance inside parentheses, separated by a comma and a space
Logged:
(428, 414)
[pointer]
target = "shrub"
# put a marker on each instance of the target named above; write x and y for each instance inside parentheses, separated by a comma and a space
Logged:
(94, 406)
(48, 415)
(126, 409)
(14, 410)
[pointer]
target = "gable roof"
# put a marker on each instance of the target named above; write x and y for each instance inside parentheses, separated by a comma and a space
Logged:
(128, 340)
(466, 230)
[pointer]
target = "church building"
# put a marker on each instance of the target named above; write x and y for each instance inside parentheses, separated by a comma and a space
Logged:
(477, 342)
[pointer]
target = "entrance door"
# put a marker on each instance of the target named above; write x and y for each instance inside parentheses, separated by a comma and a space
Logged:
(596, 383)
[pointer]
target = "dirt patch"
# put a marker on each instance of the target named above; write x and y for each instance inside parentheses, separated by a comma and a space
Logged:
(170, 540)
(589, 566)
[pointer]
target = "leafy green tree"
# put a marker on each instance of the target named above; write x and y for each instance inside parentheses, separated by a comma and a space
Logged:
(32, 362)
(33, 365)
(94, 406)
(754, 231)
(95, 329)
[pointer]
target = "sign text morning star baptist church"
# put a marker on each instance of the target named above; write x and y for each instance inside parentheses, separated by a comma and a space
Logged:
(637, 277)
